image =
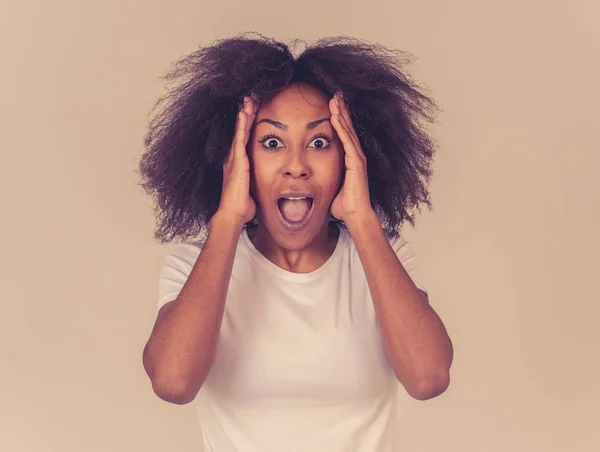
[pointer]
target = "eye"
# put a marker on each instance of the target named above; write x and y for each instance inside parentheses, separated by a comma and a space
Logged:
(269, 142)
(321, 141)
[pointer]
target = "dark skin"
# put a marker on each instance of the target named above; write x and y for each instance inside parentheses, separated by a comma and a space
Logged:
(303, 153)
(181, 349)
(415, 340)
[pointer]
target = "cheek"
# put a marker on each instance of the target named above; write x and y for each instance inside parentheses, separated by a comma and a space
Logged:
(260, 179)
(335, 175)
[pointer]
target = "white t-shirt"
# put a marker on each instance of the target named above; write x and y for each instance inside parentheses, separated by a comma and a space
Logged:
(300, 364)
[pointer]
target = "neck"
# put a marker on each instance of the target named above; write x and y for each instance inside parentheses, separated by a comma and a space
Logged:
(304, 260)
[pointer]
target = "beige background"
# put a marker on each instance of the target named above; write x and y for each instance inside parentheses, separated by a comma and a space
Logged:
(510, 249)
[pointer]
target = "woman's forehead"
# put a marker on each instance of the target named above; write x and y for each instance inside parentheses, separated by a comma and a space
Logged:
(296, 103)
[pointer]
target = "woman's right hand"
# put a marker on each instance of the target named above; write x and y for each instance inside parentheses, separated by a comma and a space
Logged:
(236, 202)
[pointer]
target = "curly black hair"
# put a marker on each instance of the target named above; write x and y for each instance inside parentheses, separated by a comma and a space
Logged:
(188, 140)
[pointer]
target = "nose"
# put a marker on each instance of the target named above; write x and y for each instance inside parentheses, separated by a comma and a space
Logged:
(296, 165)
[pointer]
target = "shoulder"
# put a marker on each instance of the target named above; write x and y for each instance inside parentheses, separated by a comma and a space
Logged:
(407, 255)
(176, 268)
(399, 243)
(186, 248)
(409, 259)
(182, 256)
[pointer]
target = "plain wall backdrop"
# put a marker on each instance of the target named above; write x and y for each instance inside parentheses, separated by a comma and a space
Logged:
(510, 250)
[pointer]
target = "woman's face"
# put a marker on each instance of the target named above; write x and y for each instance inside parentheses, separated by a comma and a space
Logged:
(294, 152)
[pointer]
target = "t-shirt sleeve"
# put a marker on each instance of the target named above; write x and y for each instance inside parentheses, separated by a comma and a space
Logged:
(409, 260)
(176, 267)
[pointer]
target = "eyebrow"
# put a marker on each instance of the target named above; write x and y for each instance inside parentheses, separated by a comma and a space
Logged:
(282, 126)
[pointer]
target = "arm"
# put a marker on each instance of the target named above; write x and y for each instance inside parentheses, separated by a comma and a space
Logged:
(181, 348)
(415, 339)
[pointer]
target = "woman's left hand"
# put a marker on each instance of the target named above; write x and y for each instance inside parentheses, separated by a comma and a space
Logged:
(353, 200)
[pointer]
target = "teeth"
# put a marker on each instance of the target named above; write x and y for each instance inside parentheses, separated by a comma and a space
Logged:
(295, 199)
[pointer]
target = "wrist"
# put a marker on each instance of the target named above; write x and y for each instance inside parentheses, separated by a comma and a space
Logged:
(224, 221)
(362, 221)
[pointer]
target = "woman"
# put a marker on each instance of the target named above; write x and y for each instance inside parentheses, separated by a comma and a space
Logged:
(294, 318)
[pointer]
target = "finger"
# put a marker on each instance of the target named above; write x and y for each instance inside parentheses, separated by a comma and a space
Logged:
(337, 111)
(345, 113)
(238, 136)
(247, 108)
(351, 133)
(241, 136)
(250, 108)
(344, 135)
(347, 121)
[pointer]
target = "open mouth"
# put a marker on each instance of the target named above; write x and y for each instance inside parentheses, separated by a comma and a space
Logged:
(295, 210)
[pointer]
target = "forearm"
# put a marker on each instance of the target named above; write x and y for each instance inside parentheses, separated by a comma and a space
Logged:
(415, 339)
(182, 346)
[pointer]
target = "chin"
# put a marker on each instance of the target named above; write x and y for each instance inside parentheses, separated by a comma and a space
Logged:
(294, 242)
(295, 238)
